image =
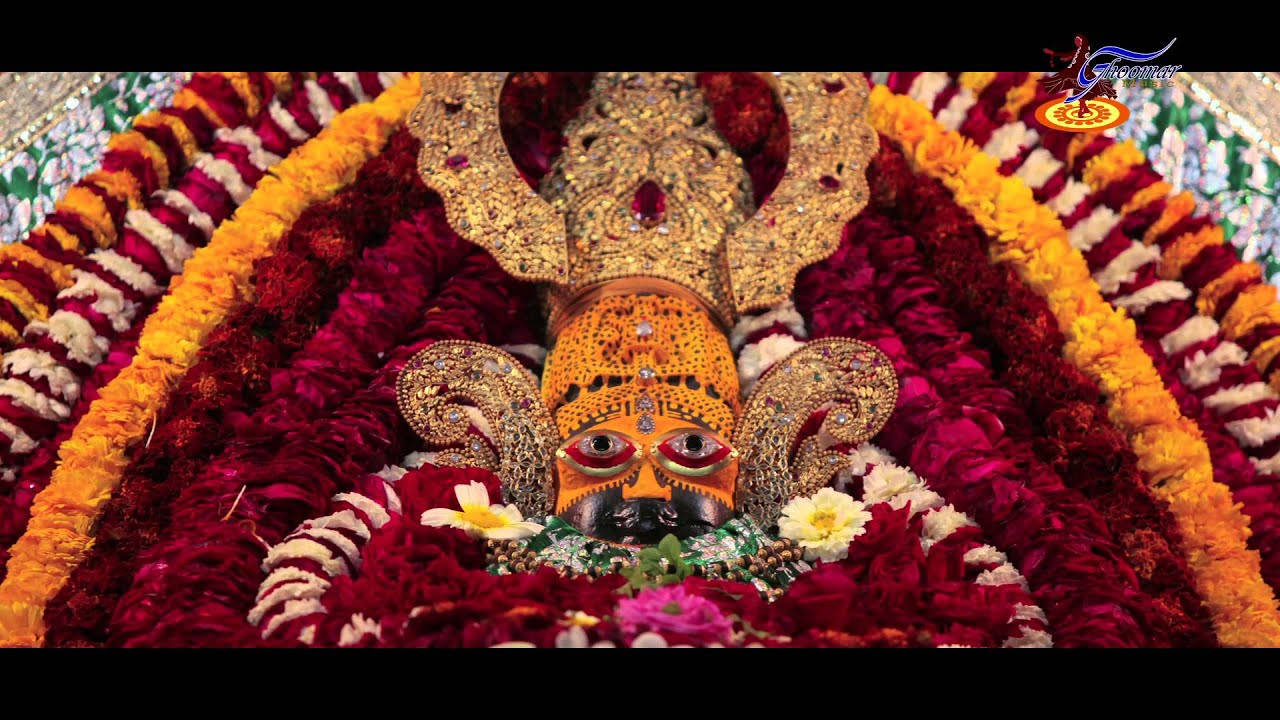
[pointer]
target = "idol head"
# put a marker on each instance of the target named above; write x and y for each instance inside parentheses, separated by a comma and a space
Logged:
(644, 392)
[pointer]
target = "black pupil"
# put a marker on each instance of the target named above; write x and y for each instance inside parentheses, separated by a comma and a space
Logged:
(601, 443)
(693, 443)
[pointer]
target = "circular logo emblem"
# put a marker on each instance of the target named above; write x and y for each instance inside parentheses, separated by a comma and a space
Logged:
(1095, 114)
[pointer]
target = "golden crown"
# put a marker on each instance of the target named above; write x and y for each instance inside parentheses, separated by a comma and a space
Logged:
(647, 188)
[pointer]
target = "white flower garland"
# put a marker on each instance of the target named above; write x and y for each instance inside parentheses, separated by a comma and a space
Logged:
(20, 443)
(784, 313)
(1123, 268)
(1228, 399)
(1160, 291)
(1193, 330)
(926, 86)
(108, 300)
(130, 272)
(1091, 230)
(287, 123)
(886, 481)
(247, 138)
(28, 397)
(73, 332)
(40, 364)
(1256, 431)
(1007, 140)
(1204, 368)
(758, 357)
(360, 516)
(173, 249)
(953, 115)
(319, 103)
(1069, 198)
(351, 81)
(1039, 166)
(180, 202)
(226, 175)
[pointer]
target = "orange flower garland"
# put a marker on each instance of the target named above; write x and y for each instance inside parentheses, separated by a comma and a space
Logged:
(214, 282)
(1254, 307)
(1103, 343)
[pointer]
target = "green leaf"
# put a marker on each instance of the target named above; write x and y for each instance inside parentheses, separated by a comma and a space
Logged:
(669, 546)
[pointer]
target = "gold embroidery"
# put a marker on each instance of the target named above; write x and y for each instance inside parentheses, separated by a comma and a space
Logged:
(436, 384)
(463, 157)
(647, 138)
(856, 385)
(825, 185)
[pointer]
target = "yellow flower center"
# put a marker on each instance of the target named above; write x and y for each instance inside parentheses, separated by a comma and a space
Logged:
(824, 521)
(483, 517)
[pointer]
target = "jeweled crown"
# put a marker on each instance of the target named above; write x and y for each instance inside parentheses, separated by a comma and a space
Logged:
(647, 188)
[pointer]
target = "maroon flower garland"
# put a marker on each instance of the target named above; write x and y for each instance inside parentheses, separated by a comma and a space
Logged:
(1090, 597)
(1071, 430)
(202, 194)
(427, 587)
(117, 287)
(295, 291)
(206, 568)
(1258, 491)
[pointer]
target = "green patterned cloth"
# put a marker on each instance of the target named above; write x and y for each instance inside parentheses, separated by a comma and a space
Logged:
(562, 545)
(36, 177)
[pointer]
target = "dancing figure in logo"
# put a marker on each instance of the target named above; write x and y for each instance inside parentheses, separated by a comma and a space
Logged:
(1067, 80)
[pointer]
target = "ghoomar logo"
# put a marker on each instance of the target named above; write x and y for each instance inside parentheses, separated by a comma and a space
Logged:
(1088, 103)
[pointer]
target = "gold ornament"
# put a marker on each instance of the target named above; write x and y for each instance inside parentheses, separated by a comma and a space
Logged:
(646, 240)
(853, 381)
(463, 158)
(650, 131)
(441, 381)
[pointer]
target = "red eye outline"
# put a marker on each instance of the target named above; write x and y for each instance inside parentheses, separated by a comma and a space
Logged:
(668, 453)
(598, 465)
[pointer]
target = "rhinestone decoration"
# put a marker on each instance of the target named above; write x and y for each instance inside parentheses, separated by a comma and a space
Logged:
(856, 377)
(646, 425)
(431, 397)
(648, 130)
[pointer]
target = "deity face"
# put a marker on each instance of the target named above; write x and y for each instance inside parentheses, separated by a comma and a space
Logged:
(637, 477)
(644, 391)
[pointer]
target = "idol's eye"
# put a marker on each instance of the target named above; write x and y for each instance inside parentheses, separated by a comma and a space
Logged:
(603, 445)
(600, 453)
(693, 446)
(693, 452)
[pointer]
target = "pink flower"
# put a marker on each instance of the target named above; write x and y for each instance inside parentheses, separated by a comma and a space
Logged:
(672, 611)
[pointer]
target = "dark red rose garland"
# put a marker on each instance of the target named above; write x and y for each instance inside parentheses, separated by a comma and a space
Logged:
(295, 291)
(1070, 429)
(1089, 595)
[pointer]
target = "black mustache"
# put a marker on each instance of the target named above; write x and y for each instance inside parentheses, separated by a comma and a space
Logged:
(647, 521)
(642, 521)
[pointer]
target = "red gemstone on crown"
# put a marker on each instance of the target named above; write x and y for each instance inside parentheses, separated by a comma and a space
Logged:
(828, 182)
(456, 162)
(649, 204)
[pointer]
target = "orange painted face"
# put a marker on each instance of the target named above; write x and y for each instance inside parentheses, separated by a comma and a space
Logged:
(620, 483)
(645, 426)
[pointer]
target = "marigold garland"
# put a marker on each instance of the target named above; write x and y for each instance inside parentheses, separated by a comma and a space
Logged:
(212, 285)
(1073, 434)
(1216, 382)
(1103, 343)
